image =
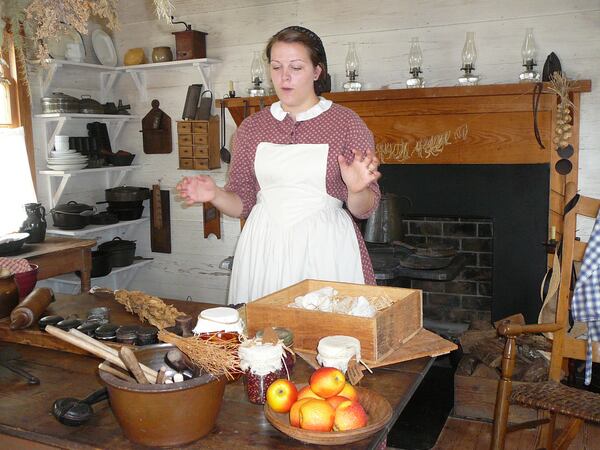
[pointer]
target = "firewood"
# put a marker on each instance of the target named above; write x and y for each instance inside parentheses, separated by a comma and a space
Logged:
(484, 371)
(537, 371)
(489, 352)
(515, 318)
(471, 338)
(466, 365)
(480, 325)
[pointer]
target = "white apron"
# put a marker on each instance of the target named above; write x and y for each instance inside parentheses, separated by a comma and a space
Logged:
(296, 230)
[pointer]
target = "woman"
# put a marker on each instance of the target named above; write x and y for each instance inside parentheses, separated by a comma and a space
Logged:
(294, 166)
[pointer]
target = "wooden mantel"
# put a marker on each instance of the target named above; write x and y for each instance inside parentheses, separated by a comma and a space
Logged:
(487, 124)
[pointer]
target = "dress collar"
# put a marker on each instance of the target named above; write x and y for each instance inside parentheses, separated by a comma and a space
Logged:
(323, 105)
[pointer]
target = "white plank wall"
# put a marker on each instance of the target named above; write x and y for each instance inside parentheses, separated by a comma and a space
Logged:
(382, 30)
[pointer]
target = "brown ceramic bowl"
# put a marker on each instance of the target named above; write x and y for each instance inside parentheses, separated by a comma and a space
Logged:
(164, 415)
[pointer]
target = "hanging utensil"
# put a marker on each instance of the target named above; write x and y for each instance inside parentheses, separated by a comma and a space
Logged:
(225, 154)
(73, 412)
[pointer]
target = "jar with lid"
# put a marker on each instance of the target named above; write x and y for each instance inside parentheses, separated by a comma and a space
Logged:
(262, 365)
(127, 334)
(147, 335)
(337, 351)
(106, 332)
(286, 336)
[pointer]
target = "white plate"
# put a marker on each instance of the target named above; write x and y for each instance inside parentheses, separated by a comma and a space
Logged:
(76, 160)
(104, 48)
(67, 166)
(62, 152)
(57, 48)
(13, 237)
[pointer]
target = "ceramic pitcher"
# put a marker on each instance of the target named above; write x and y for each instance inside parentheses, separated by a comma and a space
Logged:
(35, 223)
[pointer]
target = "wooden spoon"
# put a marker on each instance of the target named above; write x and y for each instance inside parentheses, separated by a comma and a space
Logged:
(131, 362)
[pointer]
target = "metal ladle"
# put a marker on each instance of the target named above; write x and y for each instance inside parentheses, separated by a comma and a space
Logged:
(224, 153)
(74, 412)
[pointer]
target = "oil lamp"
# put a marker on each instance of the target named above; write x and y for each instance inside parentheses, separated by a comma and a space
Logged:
(415, 59)
(469, 56)
(352, 70)
(528, 52)
(257, 72)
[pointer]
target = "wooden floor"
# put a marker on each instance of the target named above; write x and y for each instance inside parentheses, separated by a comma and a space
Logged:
(463, 434)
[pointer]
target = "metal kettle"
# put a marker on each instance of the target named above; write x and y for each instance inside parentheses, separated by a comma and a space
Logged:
(385, 224)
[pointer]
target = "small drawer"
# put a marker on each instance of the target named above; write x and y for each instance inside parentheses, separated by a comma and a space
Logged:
(201, 163)
(201, 127)
(200, 139)
(185, 139)
(200, 151)
(186, 163)
(186, 152)
(184, 127)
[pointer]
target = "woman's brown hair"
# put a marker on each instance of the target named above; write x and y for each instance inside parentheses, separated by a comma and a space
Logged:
(316, 51)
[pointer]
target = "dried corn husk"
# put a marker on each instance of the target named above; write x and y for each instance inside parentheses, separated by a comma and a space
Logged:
(148, 308)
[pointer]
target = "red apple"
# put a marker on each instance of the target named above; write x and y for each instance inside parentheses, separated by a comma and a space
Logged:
(349, 392)
(327, 381)
(281, 395)
(336, 400)
(349, 415)
(307, 392)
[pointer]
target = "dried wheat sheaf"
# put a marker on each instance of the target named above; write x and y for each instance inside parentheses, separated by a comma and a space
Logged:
(147, 307)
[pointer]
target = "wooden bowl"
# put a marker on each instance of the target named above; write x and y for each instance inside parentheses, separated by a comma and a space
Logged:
(378, 410)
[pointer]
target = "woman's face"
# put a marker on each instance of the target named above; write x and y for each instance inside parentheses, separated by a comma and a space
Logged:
(293, 76)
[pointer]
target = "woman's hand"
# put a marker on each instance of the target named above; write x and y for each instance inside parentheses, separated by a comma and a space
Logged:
(360, 172)
(198, 189)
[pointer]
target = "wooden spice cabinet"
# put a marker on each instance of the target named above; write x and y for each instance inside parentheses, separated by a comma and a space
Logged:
(198, 142)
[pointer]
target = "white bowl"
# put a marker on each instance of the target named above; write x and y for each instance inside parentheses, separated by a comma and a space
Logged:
(67, 166)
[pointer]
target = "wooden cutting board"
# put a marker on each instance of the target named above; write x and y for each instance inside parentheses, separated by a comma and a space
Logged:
(160, 220)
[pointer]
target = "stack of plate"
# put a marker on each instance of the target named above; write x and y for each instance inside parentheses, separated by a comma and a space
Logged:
(67, 160)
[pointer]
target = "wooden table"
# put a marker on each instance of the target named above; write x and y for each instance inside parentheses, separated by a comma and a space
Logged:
(59, 255)
(25, 421)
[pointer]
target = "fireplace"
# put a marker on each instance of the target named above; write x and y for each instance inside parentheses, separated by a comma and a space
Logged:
(497, 215)
(470, 153)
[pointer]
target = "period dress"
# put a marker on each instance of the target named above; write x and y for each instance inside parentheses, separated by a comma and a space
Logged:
(287, 174)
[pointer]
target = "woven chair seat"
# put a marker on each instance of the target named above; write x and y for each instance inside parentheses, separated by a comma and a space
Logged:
(558, 398)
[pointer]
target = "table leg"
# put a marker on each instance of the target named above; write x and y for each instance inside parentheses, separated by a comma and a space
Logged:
(86, 270)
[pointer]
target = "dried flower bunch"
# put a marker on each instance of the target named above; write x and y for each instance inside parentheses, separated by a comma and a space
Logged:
(147, 307)
(561, 85)
(214, 355)
(52, 19)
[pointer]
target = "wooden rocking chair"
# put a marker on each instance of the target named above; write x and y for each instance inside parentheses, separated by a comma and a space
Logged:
(551, 397)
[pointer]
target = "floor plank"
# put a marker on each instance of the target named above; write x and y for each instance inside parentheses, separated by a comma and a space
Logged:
(464, 434)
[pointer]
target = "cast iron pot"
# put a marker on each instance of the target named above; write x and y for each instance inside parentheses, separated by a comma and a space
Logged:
(120, 251)
(87, 105)
(130, 213)
(100, 264)
(104, 218)
(72, 215)
(164, 415)
(127, 194)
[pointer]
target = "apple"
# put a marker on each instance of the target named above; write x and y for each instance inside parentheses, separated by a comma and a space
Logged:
(316, 415)
(327, 381)
(295, 412)
(349, 392)
(349, 415)
(336, 400)
(307, 392)
(281, 395)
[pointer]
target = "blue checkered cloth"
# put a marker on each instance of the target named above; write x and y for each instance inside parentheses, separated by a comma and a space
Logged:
(585, 305)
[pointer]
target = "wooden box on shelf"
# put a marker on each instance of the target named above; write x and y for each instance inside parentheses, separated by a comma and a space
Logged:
(198, 142)
(379, 335)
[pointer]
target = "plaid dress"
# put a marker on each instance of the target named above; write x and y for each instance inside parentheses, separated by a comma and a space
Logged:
(585, 305)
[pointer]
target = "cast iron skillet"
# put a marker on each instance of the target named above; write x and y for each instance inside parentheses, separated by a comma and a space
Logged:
(73, 412)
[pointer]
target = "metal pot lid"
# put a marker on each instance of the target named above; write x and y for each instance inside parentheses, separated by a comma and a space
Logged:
(127, 193)
(116, 243)
(72, 207)
(59, 97)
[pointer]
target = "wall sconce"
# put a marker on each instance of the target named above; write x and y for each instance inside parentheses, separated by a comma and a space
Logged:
(469, 56)
(528, 52)
(352, 70)
(415, 59)
(257, 73)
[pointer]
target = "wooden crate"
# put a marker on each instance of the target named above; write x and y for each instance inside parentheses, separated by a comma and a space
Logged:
(475, 398)
(379, 335)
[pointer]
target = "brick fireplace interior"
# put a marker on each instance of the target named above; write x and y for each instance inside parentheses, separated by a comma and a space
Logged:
(497, 215)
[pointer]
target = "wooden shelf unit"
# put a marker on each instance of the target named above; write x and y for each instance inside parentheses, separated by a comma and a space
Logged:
(198, 143)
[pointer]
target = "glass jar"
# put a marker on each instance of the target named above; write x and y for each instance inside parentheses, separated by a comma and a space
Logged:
(106, 332)
(262, 365)
(147, 335)
(337, 351)
(127, 334)
(287, 338)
